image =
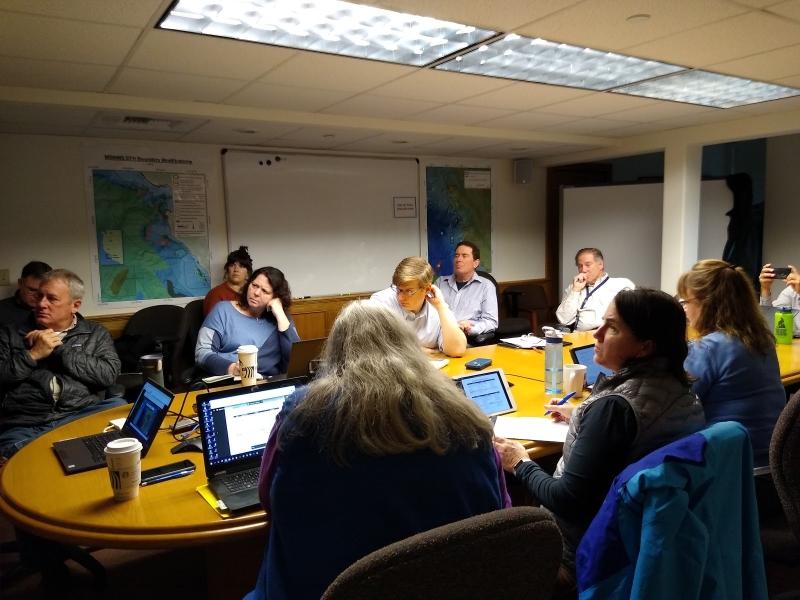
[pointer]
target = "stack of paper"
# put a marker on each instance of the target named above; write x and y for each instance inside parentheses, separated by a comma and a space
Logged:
(540, 429)
(525, 341)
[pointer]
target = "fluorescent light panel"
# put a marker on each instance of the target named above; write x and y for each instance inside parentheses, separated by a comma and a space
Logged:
(329, 26)
(540, 61)
(709, 89)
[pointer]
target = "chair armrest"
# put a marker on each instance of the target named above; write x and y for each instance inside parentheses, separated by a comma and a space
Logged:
(116, 390)
(482, 338)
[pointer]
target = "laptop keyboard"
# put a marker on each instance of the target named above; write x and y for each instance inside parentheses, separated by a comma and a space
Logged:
(97, 445)
(236, 482)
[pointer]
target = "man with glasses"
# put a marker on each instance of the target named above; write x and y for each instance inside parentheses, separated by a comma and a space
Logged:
(472, 298)
(413, 296)
(17, 308)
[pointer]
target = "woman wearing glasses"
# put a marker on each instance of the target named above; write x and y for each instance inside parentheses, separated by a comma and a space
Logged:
(413, 296)
(733, 359)
(379, 447)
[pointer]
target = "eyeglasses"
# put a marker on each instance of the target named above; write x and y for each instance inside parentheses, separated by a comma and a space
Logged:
(406, 293)
(683, 302)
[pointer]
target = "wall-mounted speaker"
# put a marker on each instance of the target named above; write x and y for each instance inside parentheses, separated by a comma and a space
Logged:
(523, 170)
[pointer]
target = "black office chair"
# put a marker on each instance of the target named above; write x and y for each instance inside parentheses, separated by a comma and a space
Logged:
(506, 326)
(531, 299)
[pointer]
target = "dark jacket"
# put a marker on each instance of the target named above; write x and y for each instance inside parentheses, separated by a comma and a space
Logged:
(14, 311)
(85, 364)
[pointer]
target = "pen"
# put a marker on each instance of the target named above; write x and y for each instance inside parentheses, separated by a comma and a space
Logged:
(562, 401)
(168, 476)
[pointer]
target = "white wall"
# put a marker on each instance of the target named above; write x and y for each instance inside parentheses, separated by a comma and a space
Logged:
(781, 244)
(43, 214)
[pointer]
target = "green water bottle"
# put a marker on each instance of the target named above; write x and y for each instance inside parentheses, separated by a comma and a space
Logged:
(783, 325)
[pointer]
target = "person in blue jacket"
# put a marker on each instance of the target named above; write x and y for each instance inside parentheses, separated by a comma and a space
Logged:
(379, 447)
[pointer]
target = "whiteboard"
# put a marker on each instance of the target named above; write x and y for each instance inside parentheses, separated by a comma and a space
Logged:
(327, 222)
(625, 223)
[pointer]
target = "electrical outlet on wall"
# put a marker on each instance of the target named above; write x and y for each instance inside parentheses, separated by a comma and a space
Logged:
(5, 277)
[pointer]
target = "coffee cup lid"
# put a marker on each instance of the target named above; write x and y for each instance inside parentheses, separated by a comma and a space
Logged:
(248, 349)
(123, 445)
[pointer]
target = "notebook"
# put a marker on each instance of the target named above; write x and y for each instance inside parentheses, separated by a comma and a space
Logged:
(303, 352)
(235, 425)
(584, 355)
(489, 390)
(148, 412)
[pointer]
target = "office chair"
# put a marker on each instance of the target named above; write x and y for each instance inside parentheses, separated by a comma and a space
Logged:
(780, 532)
(506, 326)
(513, 553)
(531, 299)
(164, 326)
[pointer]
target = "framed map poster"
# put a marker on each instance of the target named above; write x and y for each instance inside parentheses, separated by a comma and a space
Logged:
(149, 216)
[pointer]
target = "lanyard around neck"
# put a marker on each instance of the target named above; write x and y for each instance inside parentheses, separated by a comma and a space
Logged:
(589, 294)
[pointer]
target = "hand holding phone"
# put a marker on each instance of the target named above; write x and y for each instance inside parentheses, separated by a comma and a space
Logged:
(166, 472)
(781, 272)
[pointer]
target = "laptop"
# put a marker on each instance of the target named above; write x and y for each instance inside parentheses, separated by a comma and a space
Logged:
(584, 355)
(769, 316)
(489, 390)
(148, 412)
(303, 353)
(235, 425)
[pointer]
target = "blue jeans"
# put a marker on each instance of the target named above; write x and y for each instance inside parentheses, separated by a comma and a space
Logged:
(15, 438)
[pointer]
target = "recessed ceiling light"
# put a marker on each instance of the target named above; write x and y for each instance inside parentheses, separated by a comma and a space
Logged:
(330, 26)
(541, 61)
(709, 89)
(638, 18)
(329, 135)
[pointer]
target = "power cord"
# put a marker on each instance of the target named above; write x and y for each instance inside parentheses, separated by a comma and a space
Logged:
(179, 416)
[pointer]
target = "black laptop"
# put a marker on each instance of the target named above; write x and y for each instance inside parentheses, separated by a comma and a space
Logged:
(584, 355)
(148, 412)
(303, 354)
(235, 425)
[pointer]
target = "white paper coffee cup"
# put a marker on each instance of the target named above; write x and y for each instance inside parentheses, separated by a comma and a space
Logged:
(124, 460)
(574, 379)
(248, 359)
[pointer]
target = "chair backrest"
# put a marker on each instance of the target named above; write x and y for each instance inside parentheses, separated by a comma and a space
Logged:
(166, 323)
(532, 299)
(194, 319)
(511, 553)
(784, 461)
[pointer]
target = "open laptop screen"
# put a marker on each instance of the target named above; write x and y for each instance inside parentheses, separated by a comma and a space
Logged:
(147, 414)
(584, 355)
(489, 390)
(237, 426)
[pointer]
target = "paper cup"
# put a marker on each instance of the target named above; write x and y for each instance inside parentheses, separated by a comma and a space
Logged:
(574, 379)
(248, 358)
(124, 460)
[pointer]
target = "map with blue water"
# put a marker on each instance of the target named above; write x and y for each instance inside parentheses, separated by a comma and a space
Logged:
(152, 240)
(459, 208)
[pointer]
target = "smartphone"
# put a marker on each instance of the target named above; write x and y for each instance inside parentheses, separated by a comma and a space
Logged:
(781, 272)
(478, 363)
(171, 471)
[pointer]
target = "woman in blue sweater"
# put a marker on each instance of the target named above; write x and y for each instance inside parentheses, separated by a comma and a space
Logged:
(257, 318)
(733, 359)
(381, 446)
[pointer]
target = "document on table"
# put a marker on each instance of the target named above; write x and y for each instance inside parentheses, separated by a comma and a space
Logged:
(525, 341)
(530, 428)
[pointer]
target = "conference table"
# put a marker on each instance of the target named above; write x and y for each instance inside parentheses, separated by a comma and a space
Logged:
(36, 496)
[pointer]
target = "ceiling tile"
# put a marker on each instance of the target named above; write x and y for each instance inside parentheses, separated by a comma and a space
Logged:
(525, 96)
(388, 143)
(430, 85)
(758, 3)
(53, 75)
(790, 9)
(790, 81)
(180, 52)
(27, 36)
(558, 151)
(379, 107)
(42, 129)
(529, 121)
(504, 15)
(596, 104)
(173, 124)
(767, 66)
(325, 137)
(461, 115)
(629, 130)
(224, 132)
(775, 106)
(662, 109)
(510, 150)
(128, 134)
(115, 12)
(284, 97)
(174, 86)
(703, 118)
(453, 145)
(732, 38)
(585, 126)
(603, 24)
(338, 73)
(26, 114)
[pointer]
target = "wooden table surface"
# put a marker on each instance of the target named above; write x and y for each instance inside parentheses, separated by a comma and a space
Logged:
(37, 496)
